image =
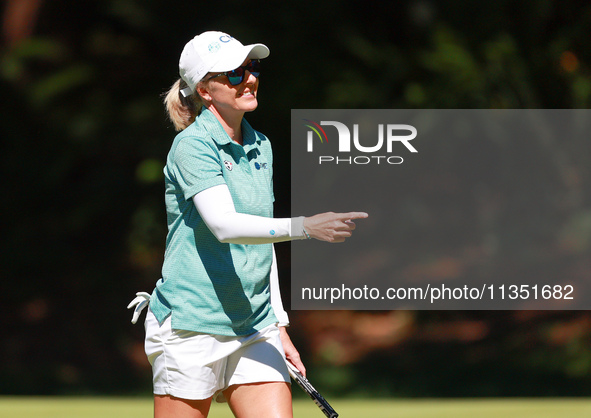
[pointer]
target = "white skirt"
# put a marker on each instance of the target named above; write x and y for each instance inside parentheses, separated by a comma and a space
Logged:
(193, 365)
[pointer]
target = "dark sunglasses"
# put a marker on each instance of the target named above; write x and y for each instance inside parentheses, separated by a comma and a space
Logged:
(236, 76)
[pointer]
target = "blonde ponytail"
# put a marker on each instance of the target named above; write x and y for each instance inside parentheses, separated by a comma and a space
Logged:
(181, 110)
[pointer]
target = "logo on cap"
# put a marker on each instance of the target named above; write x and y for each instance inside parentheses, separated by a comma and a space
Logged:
(213, 47)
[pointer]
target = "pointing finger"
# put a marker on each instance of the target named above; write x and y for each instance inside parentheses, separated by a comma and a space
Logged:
(354, 215)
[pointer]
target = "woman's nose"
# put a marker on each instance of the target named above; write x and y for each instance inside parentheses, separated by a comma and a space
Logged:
(249, 77)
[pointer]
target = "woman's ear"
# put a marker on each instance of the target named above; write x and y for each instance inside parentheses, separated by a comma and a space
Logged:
(202, 91)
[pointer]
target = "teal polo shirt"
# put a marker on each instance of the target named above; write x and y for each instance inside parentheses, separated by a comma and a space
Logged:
(208, 286)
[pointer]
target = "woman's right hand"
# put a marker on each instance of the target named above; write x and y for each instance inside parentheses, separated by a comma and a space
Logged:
(332, 227)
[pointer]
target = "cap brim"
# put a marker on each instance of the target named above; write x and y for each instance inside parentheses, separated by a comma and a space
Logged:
(234, 59)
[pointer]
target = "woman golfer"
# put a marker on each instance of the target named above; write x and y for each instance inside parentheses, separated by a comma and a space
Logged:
(216, 326)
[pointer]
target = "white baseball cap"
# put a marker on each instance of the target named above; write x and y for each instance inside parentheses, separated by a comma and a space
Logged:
(214, 52)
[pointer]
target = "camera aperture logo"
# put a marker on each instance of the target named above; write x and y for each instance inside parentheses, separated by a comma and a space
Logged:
(390, 135)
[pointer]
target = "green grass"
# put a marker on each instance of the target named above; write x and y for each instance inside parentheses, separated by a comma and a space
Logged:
(56, 407)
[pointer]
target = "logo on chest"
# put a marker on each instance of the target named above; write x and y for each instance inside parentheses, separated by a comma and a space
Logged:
(228, 165)
(261, 166)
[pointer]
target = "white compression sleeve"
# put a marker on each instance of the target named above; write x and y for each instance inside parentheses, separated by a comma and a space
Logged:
(217, 210)
(276, 302)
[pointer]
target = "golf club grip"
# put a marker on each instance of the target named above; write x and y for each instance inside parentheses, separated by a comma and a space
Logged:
(313, 393)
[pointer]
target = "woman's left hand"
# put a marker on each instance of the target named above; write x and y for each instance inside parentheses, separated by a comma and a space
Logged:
(291, 353)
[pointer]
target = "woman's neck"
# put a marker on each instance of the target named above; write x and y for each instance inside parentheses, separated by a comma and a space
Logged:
(232, 123)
